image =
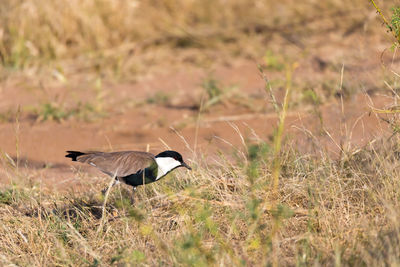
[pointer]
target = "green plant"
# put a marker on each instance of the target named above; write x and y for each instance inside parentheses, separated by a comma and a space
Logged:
(273, 61)
(57, 112)
(51, 111)
(159, 98)
(6, 197)
(215, 93)
(257, 153)
(311, 97)
(212, 88)
(394, 24)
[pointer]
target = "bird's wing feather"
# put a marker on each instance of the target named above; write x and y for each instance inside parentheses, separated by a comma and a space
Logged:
(118, 164)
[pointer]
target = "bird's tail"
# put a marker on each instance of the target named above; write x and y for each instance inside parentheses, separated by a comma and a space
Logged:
(74, 154)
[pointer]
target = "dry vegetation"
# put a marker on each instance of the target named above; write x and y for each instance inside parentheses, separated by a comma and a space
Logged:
(324, 211)
(117, 39)
(330, 212)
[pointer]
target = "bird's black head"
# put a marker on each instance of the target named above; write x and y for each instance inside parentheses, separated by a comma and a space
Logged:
(175, 155)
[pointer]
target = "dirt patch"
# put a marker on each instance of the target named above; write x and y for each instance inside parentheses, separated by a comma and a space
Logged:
(173, 108)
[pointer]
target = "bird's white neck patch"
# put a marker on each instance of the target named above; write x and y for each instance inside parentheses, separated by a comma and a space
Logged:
(165, 164)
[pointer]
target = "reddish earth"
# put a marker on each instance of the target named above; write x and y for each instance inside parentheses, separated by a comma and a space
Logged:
(135, 124)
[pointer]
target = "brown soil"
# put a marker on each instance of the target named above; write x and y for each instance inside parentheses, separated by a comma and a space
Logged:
(132, 123)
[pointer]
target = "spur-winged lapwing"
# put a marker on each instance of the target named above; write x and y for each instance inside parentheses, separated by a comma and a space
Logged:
(131, 167)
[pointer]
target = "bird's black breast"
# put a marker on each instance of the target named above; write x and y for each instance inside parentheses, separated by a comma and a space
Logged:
(147, 176)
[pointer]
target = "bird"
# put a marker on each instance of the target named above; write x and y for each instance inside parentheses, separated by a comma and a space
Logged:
(133, 168)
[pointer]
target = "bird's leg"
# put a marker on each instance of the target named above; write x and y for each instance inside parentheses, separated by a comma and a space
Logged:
(116, 181)
(133, 195)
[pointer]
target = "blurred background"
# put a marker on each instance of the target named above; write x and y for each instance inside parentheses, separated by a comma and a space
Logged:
(196, 76)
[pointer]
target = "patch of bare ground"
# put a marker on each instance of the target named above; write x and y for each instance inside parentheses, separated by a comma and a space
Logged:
(168, 109)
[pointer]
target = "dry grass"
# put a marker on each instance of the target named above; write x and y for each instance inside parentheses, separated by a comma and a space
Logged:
(329, 212)
(121, 38)
(325, 211)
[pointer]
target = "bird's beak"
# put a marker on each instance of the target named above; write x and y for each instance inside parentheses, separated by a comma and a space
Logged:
(186, 166)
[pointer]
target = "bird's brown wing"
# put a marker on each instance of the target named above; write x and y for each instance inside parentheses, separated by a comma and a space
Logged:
(119, 164)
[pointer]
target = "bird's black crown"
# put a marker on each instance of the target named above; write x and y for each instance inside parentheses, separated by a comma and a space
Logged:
(171, 154)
